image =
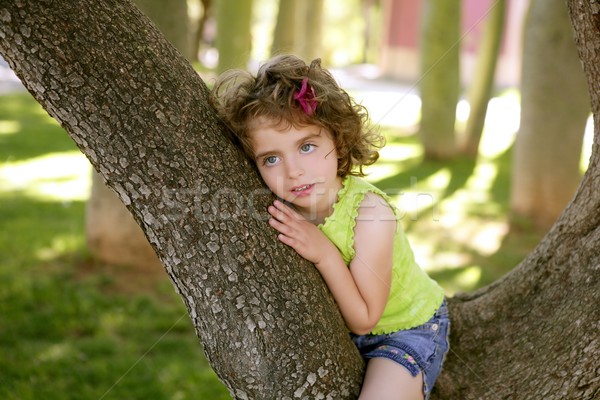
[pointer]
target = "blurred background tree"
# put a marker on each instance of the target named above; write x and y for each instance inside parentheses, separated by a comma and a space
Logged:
(298, 29)
(439, 83)
(234, 37)
(284, 35)
(481, 87)
(206, 12)
(555, 105)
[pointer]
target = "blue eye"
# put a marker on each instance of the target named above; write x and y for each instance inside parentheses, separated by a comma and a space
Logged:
(307, 148)
(270, 160)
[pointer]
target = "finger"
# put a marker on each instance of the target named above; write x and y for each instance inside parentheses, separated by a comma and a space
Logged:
(287, 210)
(278, 214)
(281, 227)
(286, 240)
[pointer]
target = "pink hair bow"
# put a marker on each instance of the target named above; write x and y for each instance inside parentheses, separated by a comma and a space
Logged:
(306, 98)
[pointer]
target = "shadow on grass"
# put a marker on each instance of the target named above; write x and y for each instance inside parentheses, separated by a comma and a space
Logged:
(460, 171)
(37, 229)
(480, 270)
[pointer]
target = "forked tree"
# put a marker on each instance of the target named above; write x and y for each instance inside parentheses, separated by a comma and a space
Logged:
(139, 112)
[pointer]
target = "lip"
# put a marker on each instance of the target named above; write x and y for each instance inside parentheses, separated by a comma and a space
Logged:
(303, 190)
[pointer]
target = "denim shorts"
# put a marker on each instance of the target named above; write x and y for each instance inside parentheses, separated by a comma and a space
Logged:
(419, 349)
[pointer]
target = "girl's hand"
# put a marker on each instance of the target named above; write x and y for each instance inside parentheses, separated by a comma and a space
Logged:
(300, 234)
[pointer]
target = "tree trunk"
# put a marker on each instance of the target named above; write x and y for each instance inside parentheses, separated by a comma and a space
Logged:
(234, 39)
(112, 234)
(139, 112)
(554, 111)
(207, 10)
(298, 29)
(440, 79)
(171, 17)
(483, 81)
(284, 34)
(311, 30)
(270, 330)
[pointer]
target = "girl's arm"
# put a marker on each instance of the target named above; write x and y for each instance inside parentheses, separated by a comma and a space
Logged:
(361, 291)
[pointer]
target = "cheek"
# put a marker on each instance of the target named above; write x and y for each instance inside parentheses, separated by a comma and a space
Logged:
(269, 177)
(332, 162)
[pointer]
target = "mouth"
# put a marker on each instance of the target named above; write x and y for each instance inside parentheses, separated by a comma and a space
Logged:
(303, 189)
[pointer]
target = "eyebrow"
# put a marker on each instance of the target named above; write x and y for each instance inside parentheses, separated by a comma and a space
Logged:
(298, 143)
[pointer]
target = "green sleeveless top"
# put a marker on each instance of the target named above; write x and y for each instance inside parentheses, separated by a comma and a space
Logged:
(414, 296)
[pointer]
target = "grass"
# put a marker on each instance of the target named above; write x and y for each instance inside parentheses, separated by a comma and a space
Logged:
(68, 328)
(71, 328)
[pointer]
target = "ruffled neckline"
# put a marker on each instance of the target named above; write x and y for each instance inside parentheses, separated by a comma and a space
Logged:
(340, 195)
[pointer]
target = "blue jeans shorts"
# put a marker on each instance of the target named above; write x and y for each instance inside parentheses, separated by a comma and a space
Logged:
(419, 349)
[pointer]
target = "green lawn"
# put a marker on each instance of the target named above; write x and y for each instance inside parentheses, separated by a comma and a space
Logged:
(71, 328)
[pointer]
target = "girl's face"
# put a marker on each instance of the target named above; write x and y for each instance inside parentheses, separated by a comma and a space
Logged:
(299, 165)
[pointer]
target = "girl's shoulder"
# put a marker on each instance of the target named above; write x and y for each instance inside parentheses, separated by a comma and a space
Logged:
(363, 195)
(375, 218)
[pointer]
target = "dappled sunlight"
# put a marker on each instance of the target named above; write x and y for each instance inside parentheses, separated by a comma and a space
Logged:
(420, 196)
(469, 277)
(381, 170)
(501, 124)
(483, 237)
(61, 176)
(55, 352)
(392, 161)
(9, 127)
(60, 245)
(588, 141)
(392, 108)
(438, 181)
(462, 112)
(425, 194)
(482, 178)
(479, 233)
(400, 152)
(475, 191)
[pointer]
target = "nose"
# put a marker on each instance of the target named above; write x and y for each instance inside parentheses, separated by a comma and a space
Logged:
(294, 168)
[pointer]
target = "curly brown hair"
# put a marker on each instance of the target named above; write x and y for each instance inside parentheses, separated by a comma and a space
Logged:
(241, 98)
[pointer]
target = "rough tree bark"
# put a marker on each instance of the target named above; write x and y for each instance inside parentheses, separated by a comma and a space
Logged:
(270, 330)
(139, 112)
(112, 234)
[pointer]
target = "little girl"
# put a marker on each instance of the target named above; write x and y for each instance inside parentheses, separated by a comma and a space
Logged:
(309, 141)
